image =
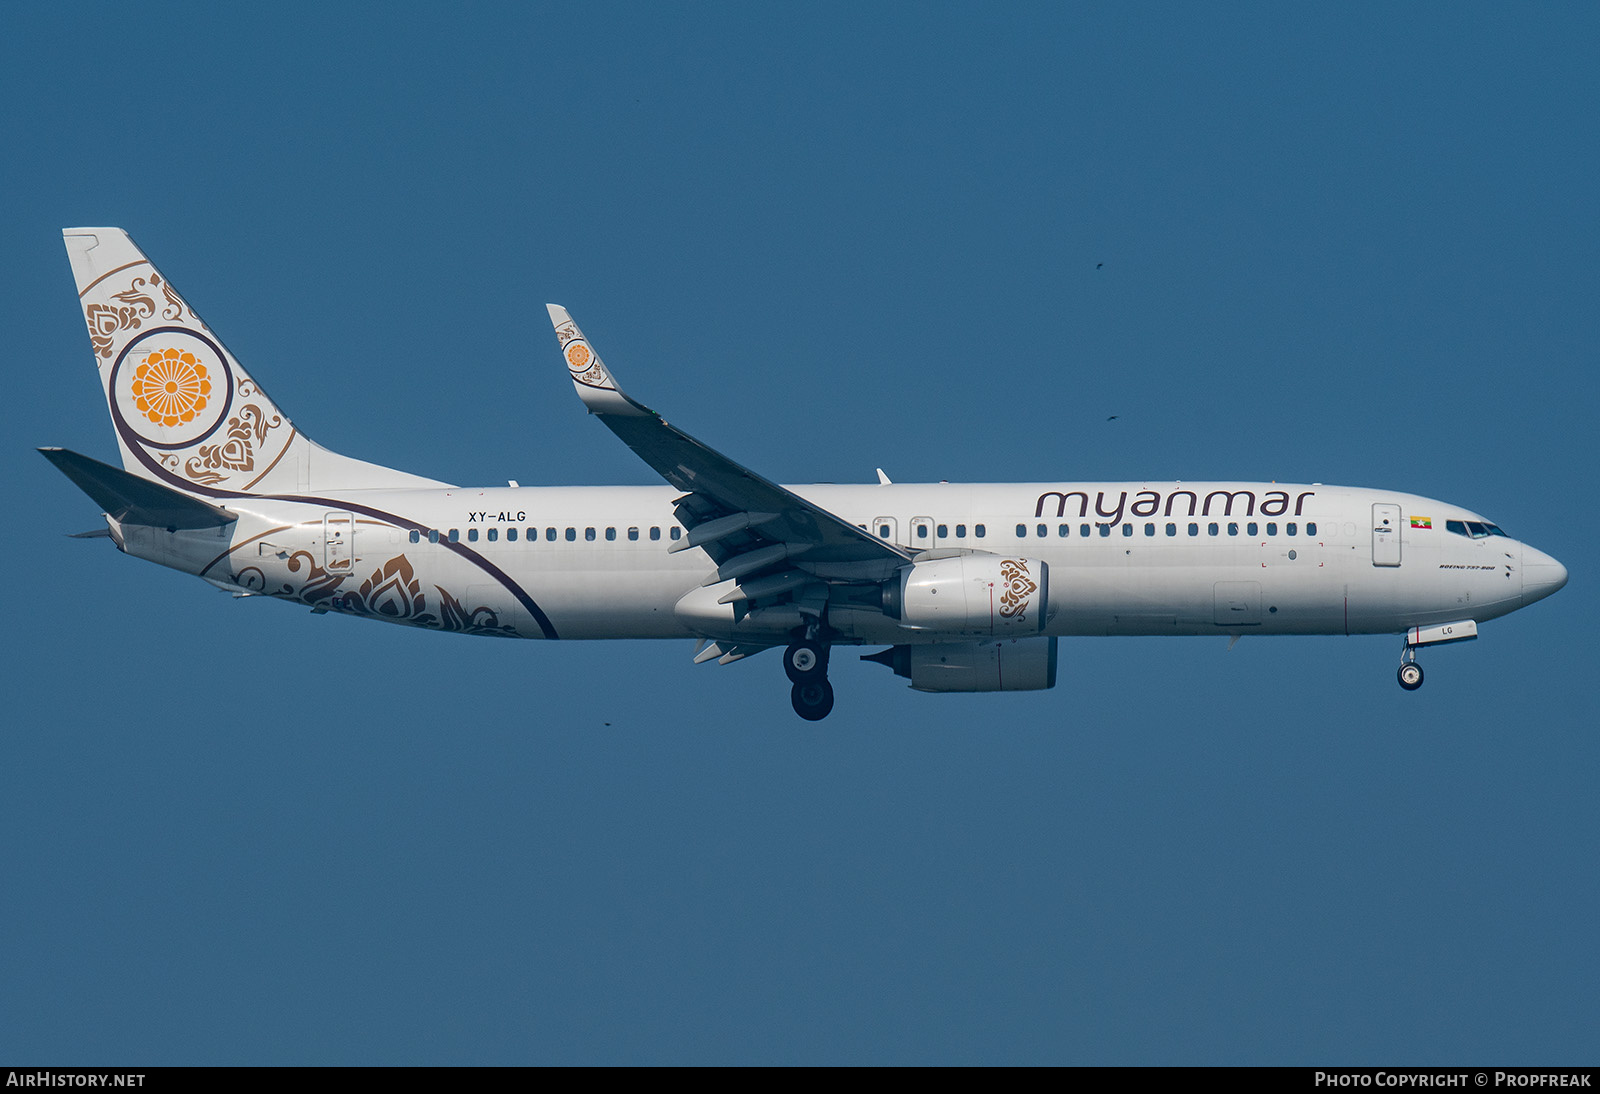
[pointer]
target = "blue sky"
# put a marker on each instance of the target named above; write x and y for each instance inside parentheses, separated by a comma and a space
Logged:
(1354, 245)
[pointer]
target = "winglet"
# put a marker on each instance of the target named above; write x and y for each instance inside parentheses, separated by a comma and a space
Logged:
(596, 386)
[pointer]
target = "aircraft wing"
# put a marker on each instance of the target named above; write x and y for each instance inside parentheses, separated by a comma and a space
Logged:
(767, 537)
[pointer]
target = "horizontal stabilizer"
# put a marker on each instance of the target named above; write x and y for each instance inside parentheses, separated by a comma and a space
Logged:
(129, 499)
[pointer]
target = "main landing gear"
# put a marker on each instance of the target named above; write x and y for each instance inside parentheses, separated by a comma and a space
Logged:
(1410, 673)
(806, 663)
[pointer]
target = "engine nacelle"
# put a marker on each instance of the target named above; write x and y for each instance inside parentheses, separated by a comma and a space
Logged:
(972, 594)
(1001, 664)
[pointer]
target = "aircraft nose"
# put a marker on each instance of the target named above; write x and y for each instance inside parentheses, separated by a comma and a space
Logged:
(1541, 574)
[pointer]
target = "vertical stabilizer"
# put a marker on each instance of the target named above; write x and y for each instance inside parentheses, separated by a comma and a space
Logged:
(185, 412)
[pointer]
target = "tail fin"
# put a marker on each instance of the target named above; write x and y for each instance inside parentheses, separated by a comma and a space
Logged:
(185, 412)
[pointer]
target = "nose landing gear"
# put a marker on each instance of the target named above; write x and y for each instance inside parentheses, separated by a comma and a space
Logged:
(1410, 673)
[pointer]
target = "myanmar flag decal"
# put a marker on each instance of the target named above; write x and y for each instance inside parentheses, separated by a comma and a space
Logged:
(1422, 522)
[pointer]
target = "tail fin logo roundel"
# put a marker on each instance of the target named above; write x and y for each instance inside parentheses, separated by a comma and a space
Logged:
(170, 388)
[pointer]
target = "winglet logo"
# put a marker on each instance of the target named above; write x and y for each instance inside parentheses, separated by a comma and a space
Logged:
(171, 387)
(585, 367)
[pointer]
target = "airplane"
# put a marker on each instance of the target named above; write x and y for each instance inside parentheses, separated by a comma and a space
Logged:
(969, 587)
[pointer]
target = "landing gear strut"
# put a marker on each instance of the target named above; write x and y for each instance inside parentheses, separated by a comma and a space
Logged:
(1410, 673)
(806, 663)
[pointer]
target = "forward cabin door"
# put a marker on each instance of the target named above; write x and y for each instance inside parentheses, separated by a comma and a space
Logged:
(1385, 535)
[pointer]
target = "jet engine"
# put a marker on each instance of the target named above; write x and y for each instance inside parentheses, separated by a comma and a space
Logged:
(973, 594)
(1003, 664)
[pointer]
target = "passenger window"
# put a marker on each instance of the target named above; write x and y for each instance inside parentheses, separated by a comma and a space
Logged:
(455, 535)
(511, 535)
(611, 534)
(1194, 529)
(1211, 529)
(883, 531)
(494, 534)
(1064, 531)
(961, 531)
(472, 535)
(633, 533)
(550, 535)
(922, 531)
(1043, 531)
(1127, 529)
(1022, 531)
(433, 535)
(1253, 529)
(677, 533)
(1311, 527)
(1233, 527)
(1172, 529)
(1149, 529)
(979, 530)
(1105, 531)
(655, 533)
(588, 535)
(1272, 527)
(416, 536)
(944, 531)
(1083, 530)
(1289, 529)
(572, 535)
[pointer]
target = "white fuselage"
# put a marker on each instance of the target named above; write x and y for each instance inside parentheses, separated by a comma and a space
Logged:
(1125, 558)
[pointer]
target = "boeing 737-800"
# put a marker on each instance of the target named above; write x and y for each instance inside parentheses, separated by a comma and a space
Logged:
(968, 586)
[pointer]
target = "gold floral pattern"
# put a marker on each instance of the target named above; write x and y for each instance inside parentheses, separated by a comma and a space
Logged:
(1019, 588)
(170, 387)
(391, 592)
(246, 429)
(132, 307)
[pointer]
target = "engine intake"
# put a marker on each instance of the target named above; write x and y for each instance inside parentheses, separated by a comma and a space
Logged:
(971, 594)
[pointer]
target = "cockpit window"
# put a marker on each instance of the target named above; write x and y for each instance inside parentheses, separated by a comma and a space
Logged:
(1473, 529)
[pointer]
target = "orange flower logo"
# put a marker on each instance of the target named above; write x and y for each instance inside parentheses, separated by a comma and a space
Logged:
(578, 357)
(171, 387)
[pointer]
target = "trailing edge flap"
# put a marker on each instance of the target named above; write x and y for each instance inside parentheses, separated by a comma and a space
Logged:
(692, 467)
(129, 499)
